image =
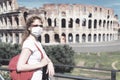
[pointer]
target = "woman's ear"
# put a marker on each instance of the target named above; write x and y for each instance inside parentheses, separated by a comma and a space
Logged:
(29, 28)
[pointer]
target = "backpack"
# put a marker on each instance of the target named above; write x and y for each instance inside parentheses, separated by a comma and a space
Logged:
(23, 75)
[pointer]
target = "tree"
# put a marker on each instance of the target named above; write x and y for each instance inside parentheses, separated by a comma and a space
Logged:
(61, 54)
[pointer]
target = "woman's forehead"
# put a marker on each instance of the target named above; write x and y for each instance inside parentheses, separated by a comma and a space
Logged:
(36, 21)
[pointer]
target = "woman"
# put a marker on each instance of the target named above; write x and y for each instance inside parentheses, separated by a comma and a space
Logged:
(30, 52)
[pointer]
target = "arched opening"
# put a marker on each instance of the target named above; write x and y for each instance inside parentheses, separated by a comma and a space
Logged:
(77, 38)
(49, 22)
(47, 38)
(70, 37)
(25, 15)
(89, 24)
(17, 20)
(63, 38)
(83, 38)
(95, 24)
(71, 23)
(77, 21)
(95, 38)
(99, 37)
(56, 38)
(17, 38)
(89, 38)
(63, 23)
(55, 22)
(84, 22)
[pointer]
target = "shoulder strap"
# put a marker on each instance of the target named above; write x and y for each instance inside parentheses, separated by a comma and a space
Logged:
(39, 50)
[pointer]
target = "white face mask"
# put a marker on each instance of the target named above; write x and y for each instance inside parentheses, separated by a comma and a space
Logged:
(36, 31)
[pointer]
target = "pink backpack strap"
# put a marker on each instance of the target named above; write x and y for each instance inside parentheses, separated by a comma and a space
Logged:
(40, 51)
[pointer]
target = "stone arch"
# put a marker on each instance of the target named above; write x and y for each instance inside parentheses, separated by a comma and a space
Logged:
(84, 37)
(49, 22)
(71, 23)
(47, 38)
(111, 24)
(17, 20)
(84, 22)
(77, 38)
(103, 37)
(56, 38)
(107, 24)
(99, 37)
(90, 15)
(10, 38)
(104, 23)
(5, 19)
(89, 37)
(90, 24)
(95, 24)
(10, 3)
(1, 20)
(63, 38)
(55, 22)
(100, 23)
(17, 37)
(77, 21)
(25, 14)
(10, 19)
(95, 37)
(70, 37)
(63, 23)
(107, 37)
(111, 36)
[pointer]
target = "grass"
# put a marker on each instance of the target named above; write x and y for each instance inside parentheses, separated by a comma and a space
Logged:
(106, 60)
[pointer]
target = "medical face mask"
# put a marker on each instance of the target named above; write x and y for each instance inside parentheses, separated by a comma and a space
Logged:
(36, 31)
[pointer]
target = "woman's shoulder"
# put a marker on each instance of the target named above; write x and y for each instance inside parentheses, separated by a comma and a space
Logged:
(28, 42)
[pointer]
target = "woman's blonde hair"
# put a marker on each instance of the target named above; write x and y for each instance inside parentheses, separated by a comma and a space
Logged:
(29, 21)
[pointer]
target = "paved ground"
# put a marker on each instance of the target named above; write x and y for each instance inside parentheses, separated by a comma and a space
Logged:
(97, 47)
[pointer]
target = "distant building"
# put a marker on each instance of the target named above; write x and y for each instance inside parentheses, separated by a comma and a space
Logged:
(63, 23)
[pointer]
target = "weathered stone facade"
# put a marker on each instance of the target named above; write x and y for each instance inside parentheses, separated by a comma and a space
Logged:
(63, 23)
(10, 22)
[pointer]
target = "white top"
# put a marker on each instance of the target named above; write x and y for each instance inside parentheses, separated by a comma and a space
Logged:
(35, 57)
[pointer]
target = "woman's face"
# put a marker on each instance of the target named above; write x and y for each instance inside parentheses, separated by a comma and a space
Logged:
(36, 28)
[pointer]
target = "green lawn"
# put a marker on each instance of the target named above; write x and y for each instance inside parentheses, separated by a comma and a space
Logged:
(110, 60)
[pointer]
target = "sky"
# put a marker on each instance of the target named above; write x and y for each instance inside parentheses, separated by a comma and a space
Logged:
(114, 4)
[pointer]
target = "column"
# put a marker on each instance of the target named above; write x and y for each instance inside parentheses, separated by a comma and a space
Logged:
(92, 37)
(8, 23)
(4, 38)
(8, 6)
(86, 38)
(74, 38)
(59, 25)
(97, 37)
(4, 7)
(14, 22)
(52, 22)
(74, 26)
(20, 20)
(42, 38)
(14, 38)
(67, 30)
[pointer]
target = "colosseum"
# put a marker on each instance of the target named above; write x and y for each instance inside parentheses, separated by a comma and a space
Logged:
(63, 23)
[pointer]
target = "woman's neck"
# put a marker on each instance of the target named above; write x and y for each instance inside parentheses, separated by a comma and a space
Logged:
(33, 38)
